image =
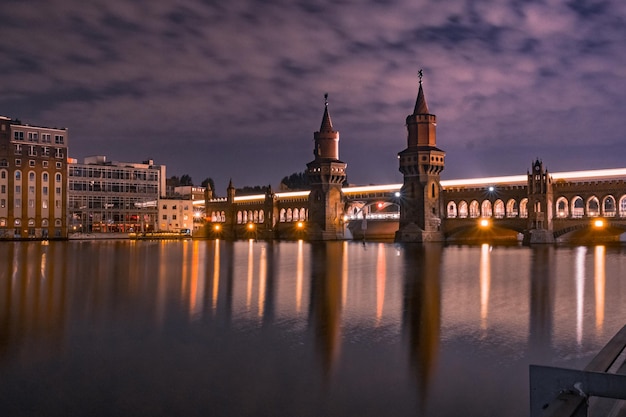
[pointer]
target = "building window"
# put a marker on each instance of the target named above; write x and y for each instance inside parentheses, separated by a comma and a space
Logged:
(18, 202)
(32, 150)
(18, 135)
(45, 164)
(58, 139)
(18, 149)
(164, 206)
(4, 163)
(174, 207)
(58, 152)
(18, 175)
(59, 165)
(58, 177)
(165, 217)
(173, 217)
(31, 203)
(32, 136)
(45, 151)
(3, 189)
(44, 204)
(45, 176)
(18, 189)
(3, 202)
(31, 163)
(31, 176)
(57, 203)
(31, 189)
(45, 137)
(44, 190)
(58, 190)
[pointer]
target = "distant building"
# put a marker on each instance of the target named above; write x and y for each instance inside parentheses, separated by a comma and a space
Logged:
(33, 181)
(177, 212)
(114, 197)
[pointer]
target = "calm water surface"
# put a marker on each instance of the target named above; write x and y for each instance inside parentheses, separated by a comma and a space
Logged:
(214, 328)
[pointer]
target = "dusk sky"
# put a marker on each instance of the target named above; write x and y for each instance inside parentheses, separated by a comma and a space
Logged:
(235, 89)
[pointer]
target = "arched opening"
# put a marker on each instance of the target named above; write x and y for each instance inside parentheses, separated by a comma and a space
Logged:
(463, 210)
(289, 215)
(523, 208)
(474, 210)
(486, 209)
(239, 217)
(562, 207)
(622, 206)
(511, 208)
(451, 210)
(593, 207)
(498, 209)
(608, 206)
(578, 207)
(282, 216)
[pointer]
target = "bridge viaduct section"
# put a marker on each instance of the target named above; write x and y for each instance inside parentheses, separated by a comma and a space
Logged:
(538, 207)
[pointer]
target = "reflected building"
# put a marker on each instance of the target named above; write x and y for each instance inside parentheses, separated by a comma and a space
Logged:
(542, 294)
(326, 300)
(421, 312)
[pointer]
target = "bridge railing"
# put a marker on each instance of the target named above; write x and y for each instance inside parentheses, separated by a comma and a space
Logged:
(560, 392)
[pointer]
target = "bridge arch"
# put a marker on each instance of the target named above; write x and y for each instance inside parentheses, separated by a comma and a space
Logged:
(474, 210)
(485, 209)
(498, 209)
(578, 207)
(451, 210)
(593, 206)
(608, 206)
(562, 207)
(463, 210)
(523, 208)
(512, 208)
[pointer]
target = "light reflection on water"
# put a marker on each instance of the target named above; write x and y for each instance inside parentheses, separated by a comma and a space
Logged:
(294, 328)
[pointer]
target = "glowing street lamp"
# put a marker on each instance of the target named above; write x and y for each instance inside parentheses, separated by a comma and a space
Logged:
(300, 225)
(483, 223)
(598, 223)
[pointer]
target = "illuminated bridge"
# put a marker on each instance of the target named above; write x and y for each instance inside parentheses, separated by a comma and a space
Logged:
(497, 208)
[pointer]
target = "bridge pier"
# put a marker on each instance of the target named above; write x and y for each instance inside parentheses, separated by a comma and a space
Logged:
(538, 236)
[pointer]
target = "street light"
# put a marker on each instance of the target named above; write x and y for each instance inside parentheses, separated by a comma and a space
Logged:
(483, 223)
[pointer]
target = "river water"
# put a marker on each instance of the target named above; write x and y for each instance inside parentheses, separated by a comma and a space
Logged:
(215, 328)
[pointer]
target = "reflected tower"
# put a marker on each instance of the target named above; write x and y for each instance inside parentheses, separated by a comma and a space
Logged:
(422, 310)
(326, 299)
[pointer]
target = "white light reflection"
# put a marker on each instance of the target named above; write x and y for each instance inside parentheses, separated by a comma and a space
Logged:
(485, 283)
(344, 275)
(299, 274)
(250, 272)
(381, 278)
(580, 292)
(600, 284)
(262, 279)
(216, 274)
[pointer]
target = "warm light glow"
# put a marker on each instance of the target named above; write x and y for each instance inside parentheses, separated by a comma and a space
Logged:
(380, 205)
(250, 226)
(598, 223)
(491, 188)
(217, 227)
(484, 223)
(300, 225)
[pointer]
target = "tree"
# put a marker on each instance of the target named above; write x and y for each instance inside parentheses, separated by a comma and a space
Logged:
(296, 181)
(185, 179)
(208, 182)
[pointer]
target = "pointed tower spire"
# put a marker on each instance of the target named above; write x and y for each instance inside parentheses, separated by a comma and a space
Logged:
(327, 124)
(327, 139)
(420, 104)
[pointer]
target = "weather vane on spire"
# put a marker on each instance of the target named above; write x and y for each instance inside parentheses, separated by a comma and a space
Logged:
(420, 74)
(326, 99)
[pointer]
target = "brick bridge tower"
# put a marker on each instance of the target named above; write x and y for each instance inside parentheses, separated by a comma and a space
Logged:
(540, 198)
(421, 164)
(326, 175)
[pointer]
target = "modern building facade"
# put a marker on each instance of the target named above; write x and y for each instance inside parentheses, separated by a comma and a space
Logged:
(177, 212)
(33, 181)
(114, 197)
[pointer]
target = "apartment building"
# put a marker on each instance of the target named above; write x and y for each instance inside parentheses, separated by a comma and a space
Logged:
(33, 181)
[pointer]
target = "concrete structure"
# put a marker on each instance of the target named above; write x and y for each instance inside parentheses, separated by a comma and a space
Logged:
(33, 181)
(114, 197)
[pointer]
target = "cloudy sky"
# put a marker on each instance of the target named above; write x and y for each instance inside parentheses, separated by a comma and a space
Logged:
(235, 89)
